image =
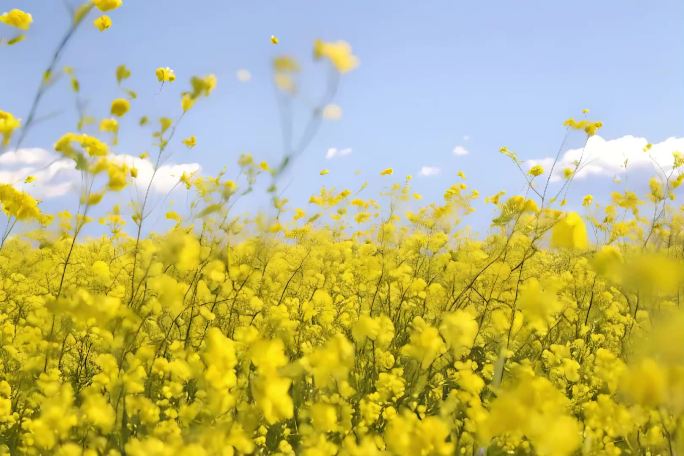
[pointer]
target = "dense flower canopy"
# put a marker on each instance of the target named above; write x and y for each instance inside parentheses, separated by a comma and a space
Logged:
(356, 325)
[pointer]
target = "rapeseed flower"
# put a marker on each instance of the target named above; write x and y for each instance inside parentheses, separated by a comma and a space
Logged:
(570, 232)
(17, 18)
(107, 5)
(120, 107)
(338, 53)
(165, 74)
(8, 123)
(102, 23)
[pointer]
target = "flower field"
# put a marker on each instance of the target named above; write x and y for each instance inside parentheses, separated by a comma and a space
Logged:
(355, 325)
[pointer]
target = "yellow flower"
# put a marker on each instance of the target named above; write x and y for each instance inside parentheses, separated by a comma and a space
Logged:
(107, 5)
(647, 383)
(568, 173)
(386, 172)
(17, 204)
(122, 73)
(98, 411)
(230, 186)
(324, 417)
(110, 125)
(93, 146)
(459, 330)
(324, 172)
(536, 170)
(165, 74)
(569, 232)
(29, 179)
(586, 201)
(338, 53)
(203, 86)
(508, 153)
(589, 127)
(187, 102)
(94, 198)
(285, 64)
(272, 397)
(165, 123)
(185, 179)
(120, 107)
(173, 215)
(425, 343)
(245, 160)
(219, 356)
(102, 23)
(117, 176)
(190, 141)
(8, 123)
(17, 18)
(274, 39)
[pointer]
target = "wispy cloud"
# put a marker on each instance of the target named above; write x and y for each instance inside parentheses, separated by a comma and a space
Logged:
(55, 176)
(460, 151)
(243, 75)
(429, 171)
(334, 152)
(611, 157)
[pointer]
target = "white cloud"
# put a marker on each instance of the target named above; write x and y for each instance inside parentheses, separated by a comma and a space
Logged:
(460, 151)
(334, 152)
(55, 176)
(167, 175)
(607, 157)
(429, 171)
(24, 157)
(243, 75)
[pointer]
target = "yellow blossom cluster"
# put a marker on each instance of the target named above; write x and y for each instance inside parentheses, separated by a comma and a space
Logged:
(18, 204)
(8, 123)
(355, 326)
(394, 339)
(17, 18)
(338, 53)
(588, 126)
(165, 74)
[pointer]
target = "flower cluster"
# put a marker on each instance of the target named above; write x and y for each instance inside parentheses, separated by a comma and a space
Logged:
(354, 326)
(396, 339)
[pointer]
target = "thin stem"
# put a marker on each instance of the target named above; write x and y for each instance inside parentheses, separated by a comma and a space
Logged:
(46, 75)
(162, 147)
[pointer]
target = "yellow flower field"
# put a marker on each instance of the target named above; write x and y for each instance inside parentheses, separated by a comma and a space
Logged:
(354, 325)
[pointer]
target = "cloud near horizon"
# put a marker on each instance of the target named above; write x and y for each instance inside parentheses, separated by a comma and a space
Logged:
(56, 176)
(334, 152)
(460, 151)
(606, 157)
(428, 171)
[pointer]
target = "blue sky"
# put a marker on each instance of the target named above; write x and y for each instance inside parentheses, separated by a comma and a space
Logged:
(433, 75)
